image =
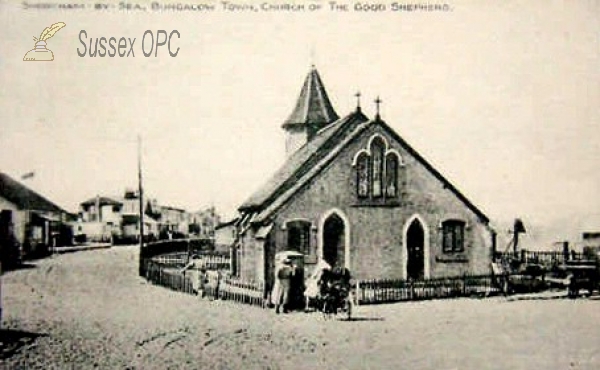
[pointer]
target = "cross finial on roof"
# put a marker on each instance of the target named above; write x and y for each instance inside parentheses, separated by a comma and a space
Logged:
(377, 104)
(357, 101)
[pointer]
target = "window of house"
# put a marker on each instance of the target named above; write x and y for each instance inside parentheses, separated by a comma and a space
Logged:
(299, 236)
(453, 235)
(362, 175)
(377, 149)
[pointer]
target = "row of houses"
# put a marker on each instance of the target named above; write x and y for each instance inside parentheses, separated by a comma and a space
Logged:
(117, 219)
(31, 225)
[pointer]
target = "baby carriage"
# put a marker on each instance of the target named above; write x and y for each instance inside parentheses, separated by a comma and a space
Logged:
(336, 295)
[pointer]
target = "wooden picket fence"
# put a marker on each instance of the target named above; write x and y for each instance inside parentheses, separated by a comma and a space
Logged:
(166, 271)
(210, 261)
(172, 259)
(545, 258)
(396, 290)
(166, 276)
(248, 292)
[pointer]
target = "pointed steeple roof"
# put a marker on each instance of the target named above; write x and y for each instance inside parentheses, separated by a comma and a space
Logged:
(313, 108)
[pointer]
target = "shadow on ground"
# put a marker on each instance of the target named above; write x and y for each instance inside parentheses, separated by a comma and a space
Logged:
(11, 341)
(22, 266)
(364, 318)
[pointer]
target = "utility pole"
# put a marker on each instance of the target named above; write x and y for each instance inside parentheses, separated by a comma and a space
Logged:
(141, 201)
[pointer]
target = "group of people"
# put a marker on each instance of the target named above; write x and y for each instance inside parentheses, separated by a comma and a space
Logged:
(200, 276)
(323, 282)
(290, 290)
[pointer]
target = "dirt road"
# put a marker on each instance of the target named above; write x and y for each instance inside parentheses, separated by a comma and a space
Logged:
(90, 310)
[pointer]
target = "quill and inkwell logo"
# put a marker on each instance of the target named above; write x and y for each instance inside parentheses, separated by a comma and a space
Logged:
(40, 52)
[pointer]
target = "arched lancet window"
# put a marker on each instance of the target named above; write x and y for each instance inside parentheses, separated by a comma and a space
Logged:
(362, 175)
(391, 175)
(377, 150)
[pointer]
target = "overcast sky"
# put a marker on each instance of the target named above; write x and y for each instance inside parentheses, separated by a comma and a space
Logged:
(502, 97)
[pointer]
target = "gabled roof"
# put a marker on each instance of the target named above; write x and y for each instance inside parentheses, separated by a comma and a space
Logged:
(314, 156)
(103, 201)
(231, 222)
(434, 172)
(313, 107)
(25, 198)
(301, 161)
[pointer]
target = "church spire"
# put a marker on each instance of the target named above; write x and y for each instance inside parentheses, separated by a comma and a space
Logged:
(312, 112)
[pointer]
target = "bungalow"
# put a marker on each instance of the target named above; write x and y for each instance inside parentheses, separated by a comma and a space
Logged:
(30, 224)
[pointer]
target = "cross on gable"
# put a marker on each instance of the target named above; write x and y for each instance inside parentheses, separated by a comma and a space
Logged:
(357, 100)
(378, 102)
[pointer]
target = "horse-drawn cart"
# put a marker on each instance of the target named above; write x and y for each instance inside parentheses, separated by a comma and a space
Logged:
(583, 274)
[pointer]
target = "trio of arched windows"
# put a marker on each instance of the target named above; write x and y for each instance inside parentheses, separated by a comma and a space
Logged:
(377, 170)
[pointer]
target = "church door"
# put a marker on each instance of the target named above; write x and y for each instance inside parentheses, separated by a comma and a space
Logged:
(415, 246)
(333, 240)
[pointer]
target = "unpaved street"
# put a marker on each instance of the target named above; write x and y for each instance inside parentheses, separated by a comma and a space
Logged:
(90, 310)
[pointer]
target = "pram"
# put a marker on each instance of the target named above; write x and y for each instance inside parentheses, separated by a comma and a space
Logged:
(336, 293)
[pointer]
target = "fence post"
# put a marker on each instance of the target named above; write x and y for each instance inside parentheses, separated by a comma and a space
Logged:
(357, 292)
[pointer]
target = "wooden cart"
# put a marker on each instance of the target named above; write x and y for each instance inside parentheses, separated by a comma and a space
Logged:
(584, 274)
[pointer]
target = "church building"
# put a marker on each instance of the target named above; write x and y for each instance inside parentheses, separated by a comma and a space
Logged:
(353, 192)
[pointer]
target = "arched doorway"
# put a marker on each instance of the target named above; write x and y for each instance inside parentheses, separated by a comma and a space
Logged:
(415, 250)
(334, 242)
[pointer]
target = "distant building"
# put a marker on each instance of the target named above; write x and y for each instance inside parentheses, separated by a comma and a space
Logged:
(591, 241)
(30, 224)
(354, 193)
(203, 223)
(117, 218)
(225, 235)
(100, 219)
(130, 226)
(174, 221)
(130, 221)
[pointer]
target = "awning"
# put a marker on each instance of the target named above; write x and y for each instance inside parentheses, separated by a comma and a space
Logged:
(263, 231)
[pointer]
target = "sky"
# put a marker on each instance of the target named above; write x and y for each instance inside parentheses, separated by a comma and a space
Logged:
(501, 97)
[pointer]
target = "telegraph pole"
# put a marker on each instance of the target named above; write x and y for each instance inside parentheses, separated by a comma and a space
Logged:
(141, 195)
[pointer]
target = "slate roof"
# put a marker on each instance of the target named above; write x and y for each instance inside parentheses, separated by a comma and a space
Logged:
(313, 107)
(310, 159)
(25, 198)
